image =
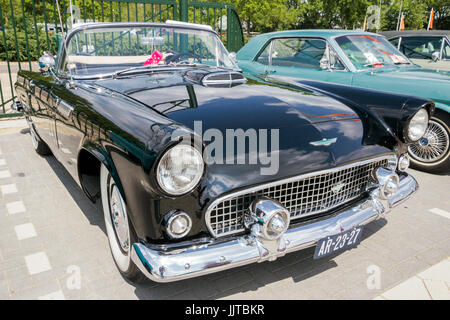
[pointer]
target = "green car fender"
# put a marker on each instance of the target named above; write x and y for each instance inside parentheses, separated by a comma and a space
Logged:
(443, 106)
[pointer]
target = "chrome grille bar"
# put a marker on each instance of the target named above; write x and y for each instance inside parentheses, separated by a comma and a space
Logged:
(304, 195)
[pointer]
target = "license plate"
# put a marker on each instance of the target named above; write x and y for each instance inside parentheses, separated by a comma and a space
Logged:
(338, 242)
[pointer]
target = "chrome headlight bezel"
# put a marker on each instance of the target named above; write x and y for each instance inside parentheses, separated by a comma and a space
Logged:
(172, 217)
(421, 125)
(162, 170)
(403, 162)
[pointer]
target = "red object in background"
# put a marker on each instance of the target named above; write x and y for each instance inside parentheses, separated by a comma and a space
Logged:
(385, 52)
(371, 38)
(154, 59)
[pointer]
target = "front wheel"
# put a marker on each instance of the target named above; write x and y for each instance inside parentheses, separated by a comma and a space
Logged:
(432, 152)
(119, 229)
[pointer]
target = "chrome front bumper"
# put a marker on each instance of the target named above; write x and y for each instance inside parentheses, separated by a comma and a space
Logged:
(199, 259)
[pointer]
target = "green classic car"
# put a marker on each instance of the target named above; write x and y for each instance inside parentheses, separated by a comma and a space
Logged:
(358, 59)
(429, 49)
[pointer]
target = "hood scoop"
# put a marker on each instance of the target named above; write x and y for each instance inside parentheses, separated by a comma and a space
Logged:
(216, 79)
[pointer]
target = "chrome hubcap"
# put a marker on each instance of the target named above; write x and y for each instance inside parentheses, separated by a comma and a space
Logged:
(434, 144)
(119, 218)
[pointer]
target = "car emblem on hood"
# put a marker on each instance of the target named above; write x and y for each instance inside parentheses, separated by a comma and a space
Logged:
(338, 187)
(324, 142)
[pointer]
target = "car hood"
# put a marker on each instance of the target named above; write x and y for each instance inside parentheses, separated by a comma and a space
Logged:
(443, 65)
(301, 118)
(249, 105)
(409, 80)
(416, 73)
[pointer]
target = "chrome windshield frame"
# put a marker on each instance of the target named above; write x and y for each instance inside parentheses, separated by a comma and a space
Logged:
(106, 25)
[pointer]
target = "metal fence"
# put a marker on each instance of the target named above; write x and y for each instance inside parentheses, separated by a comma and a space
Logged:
(30, 27)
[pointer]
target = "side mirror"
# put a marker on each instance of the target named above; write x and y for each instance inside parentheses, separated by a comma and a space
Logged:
(325, 64)
(17, 106)
(435, 56)
(46, 62)
(233, 56)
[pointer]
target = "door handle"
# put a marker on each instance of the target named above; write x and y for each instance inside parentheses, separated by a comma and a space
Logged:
(64, 109)
(32, 86)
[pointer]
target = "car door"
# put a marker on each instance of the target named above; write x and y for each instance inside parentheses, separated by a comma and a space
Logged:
(68, 133)
(36, 94)
(308, 58)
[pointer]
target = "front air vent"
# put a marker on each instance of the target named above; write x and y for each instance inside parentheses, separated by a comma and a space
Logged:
(223, 79)
(306, 195)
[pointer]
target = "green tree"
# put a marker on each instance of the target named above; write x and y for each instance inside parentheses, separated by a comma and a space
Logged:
(442, 13)
(343, 14)
(414, 11)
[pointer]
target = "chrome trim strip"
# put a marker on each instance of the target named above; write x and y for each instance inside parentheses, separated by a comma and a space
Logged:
(230, 81)
(167, 265)
(287, 180)
(94, 25)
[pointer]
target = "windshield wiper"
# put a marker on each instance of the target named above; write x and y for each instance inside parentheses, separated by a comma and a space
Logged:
(173, 64)
(156, 68)
(138, 70)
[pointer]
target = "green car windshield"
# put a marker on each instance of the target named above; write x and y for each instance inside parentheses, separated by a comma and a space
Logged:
(106, 50)
(370, 51)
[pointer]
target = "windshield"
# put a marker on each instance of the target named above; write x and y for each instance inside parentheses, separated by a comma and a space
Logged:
(104, 50)
(370, 51)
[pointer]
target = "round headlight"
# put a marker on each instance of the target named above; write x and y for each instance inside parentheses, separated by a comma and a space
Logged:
(418, 125)
(180, 169)
(277, 225)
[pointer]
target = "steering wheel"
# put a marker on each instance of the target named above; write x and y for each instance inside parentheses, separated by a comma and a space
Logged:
(177, 57)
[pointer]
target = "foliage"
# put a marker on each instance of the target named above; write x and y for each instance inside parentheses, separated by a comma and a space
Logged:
(265, 16)
(256, 16)
(16, 28)
(272, 15)
(415, 15)
(442, 13)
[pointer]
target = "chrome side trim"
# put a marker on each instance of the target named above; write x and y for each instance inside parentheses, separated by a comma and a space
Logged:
(166, 265)
(191, 25)
(391, 157)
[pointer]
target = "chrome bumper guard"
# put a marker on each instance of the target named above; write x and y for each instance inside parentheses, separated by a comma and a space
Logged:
(197, 260)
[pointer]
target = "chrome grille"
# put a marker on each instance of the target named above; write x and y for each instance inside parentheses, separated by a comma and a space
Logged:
(303, 196)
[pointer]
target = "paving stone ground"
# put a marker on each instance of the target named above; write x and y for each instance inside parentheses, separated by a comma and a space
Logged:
(53, 244)
(430, 284)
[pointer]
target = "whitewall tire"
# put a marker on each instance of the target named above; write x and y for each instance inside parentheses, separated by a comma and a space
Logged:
(120, 232)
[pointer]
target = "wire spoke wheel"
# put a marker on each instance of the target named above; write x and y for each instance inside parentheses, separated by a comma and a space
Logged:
(433, 146)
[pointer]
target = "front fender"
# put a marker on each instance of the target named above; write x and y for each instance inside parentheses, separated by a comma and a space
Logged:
(442, 106)
(99, 153)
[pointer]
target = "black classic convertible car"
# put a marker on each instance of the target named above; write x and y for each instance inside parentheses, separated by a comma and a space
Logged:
(201, 168)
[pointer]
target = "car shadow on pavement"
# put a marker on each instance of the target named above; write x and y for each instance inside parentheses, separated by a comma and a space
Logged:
(243, 282)
(92, 211)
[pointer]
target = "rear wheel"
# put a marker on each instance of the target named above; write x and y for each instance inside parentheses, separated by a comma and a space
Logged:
(432, 152)
(119, 229)
(39, 146)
